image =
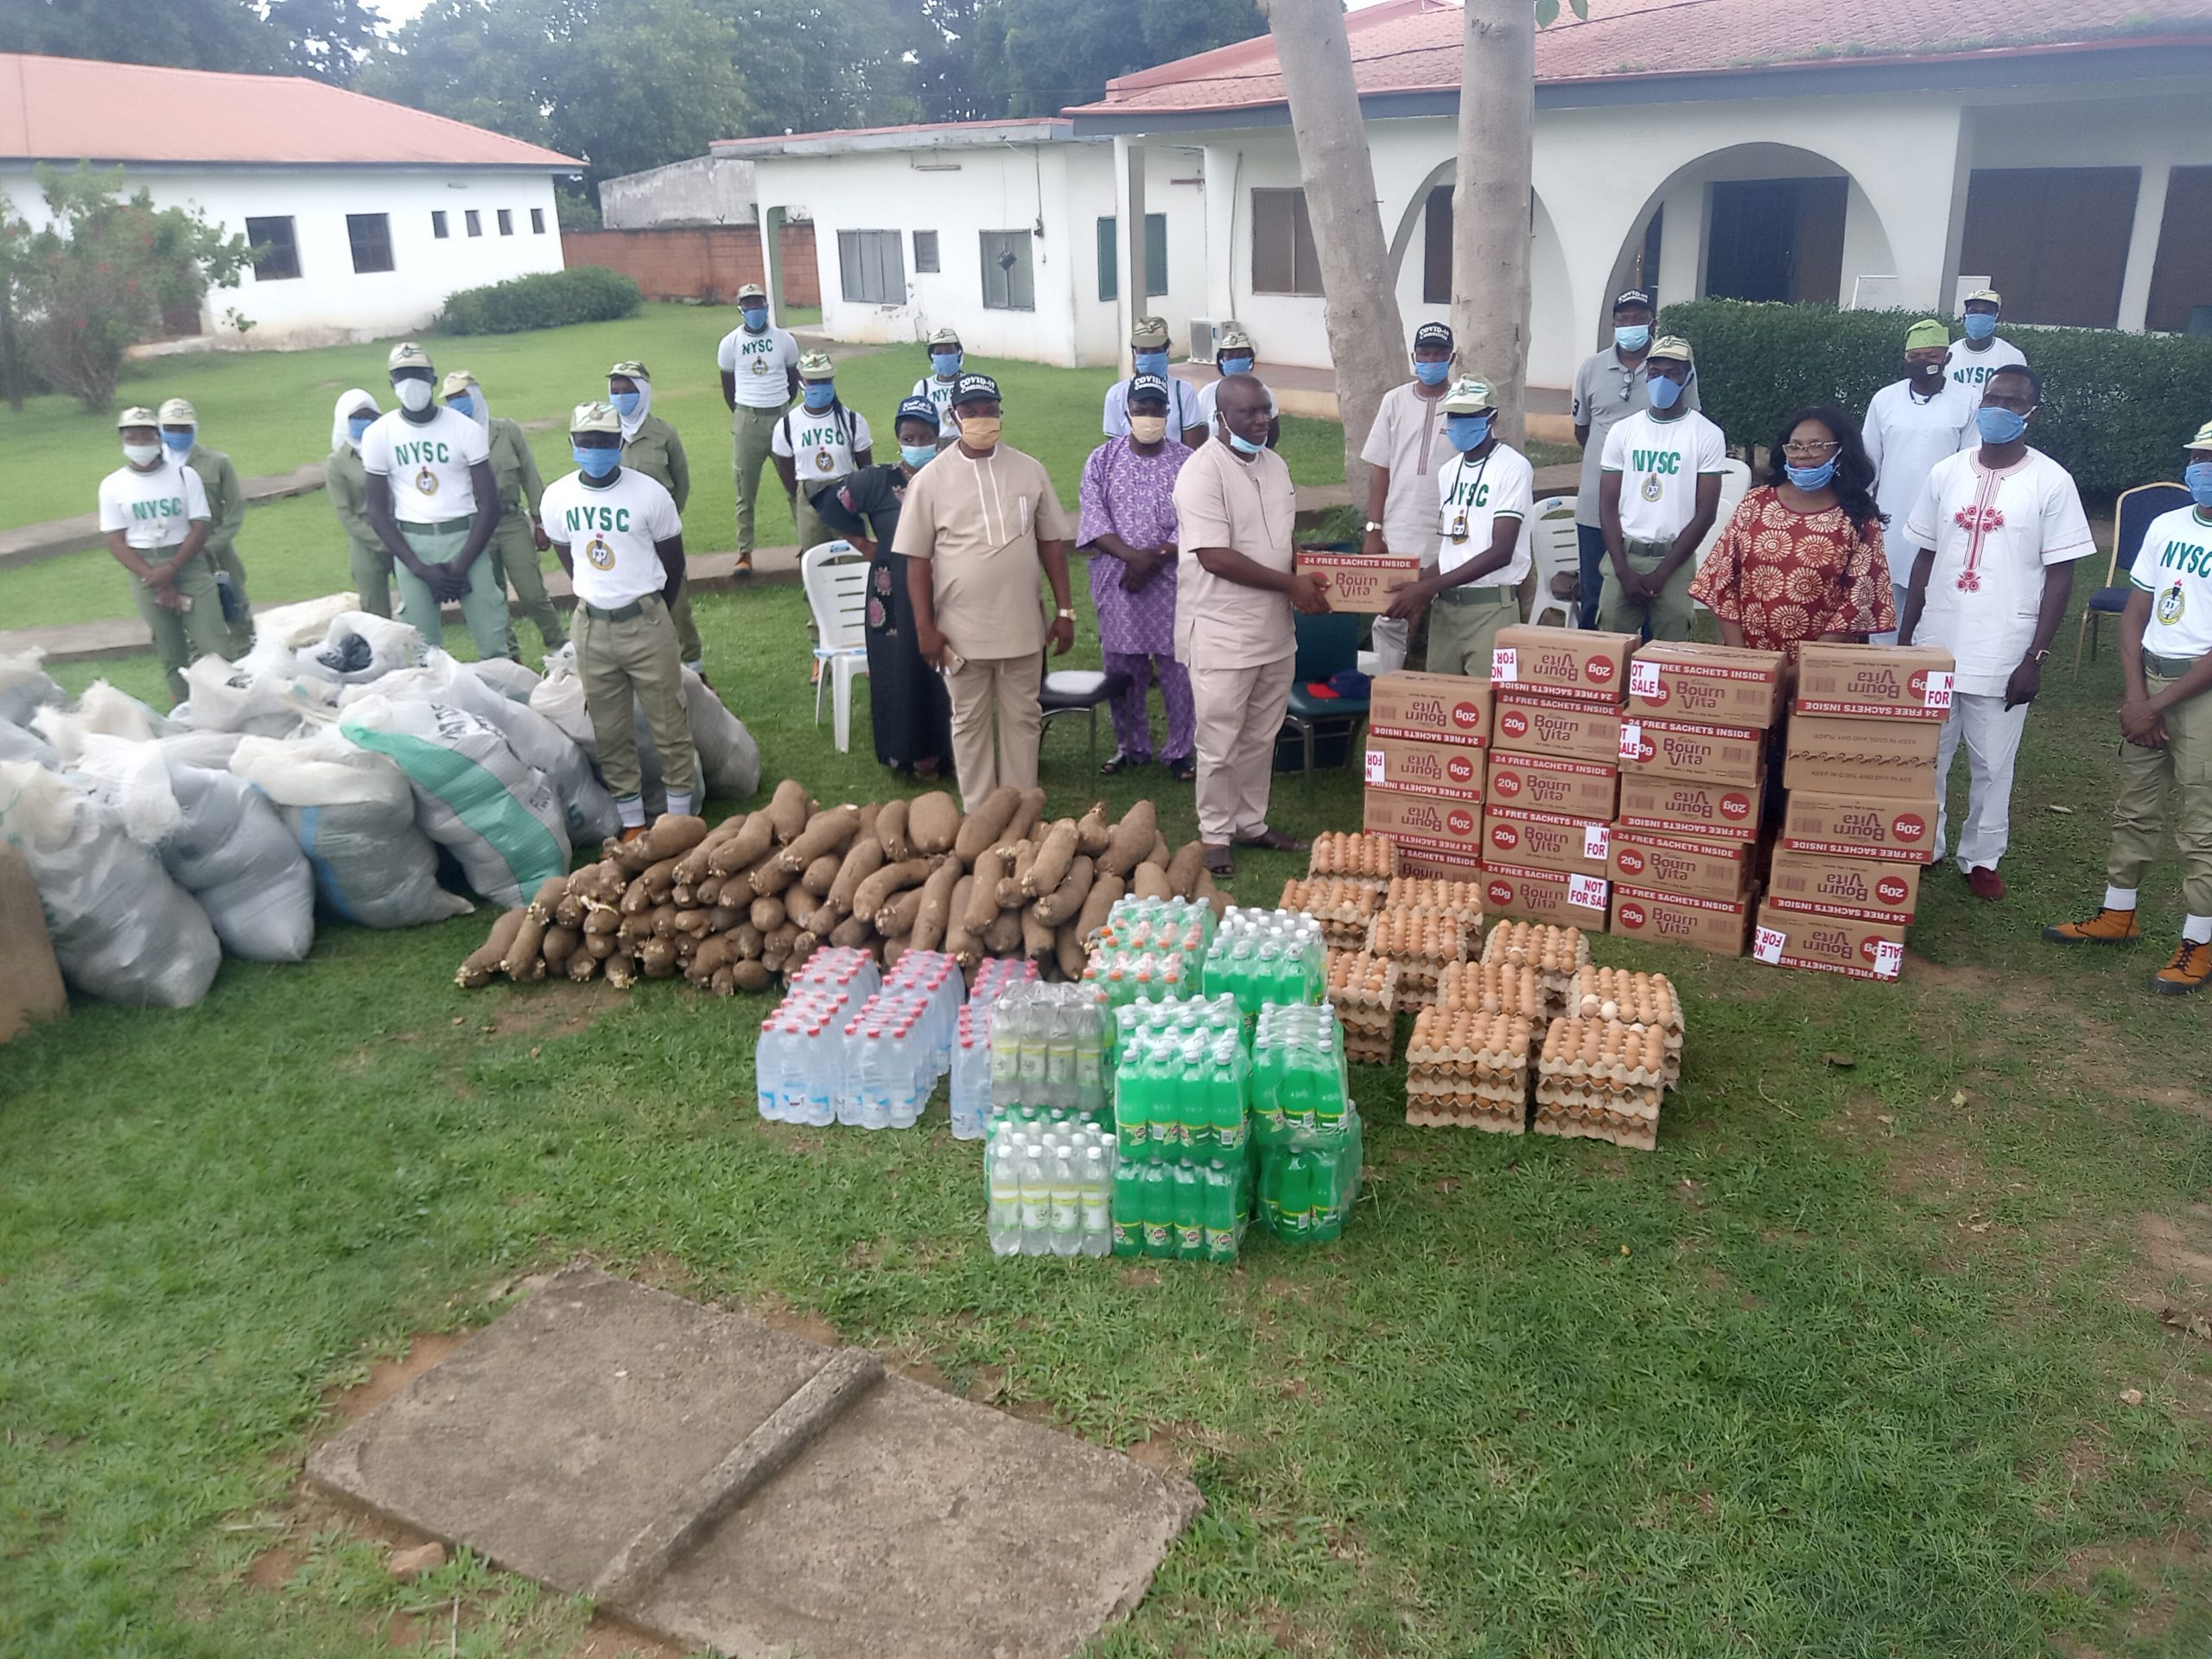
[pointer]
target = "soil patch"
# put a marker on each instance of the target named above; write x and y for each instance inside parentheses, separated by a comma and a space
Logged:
(388, 1376)
(778, 1314)
(564, 1013)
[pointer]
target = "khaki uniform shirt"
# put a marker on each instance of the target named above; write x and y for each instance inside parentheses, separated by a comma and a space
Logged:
(514, 469)
(657, 452)
(978, 523)
(347, 482)
(225, 497)
(1251, 506)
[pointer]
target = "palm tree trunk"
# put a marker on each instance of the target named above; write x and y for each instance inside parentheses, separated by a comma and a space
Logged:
(1492, 204)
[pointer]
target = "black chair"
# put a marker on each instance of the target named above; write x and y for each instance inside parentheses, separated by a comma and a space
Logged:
(1327, 644)
(1079, 691)
(2131, 515)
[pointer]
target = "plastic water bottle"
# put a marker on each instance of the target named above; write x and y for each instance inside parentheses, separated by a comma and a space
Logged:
(1005, 1197)
(1097, 1184)
(767, 1070)
(1036, 1200)
(1067, 1201)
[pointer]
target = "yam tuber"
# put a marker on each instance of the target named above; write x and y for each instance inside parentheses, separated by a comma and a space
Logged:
(1213, 895)
(1068, 945)
(862, 859)
(1159, 854)
(1053, 859)
(693, 867)
(767, 914)
(1150, 881)
(748, 938)
(1037, 941)
(1093, 830)
(933, 824)
(1185, 868)
(601, 918)
(750, 976)
(1131, 840)
(960, 941)
(621, 972)
(877, 890)
(720, 982)
(560, 944)
(776, 946)
(1003, 937)
(769, 877)
(1104, 890)
(744, 849)
(936, 907)
(816, 877)
(786, 811)
(852, 931)
(801, 948)
(637, 896)
(891, 830)
(1027, 812)
(673, 834)
(869, 809)
(1023, 855)
(982, 901)
(601, 883)
(569, 913)
(1065, 902)
(583, 966)
(898, 913)
(658, 959)
(485, 961)
(827, 832)
(982, 827)
(600, 946)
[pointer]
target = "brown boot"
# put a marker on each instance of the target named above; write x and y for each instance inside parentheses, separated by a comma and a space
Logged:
(2187, 972)
(2106, 927)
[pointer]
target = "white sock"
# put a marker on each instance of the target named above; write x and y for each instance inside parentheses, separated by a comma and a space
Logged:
(632, 809)
(2197, 930)
(2119, 898)
(679, 803)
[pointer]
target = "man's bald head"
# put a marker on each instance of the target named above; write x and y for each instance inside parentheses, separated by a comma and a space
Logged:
(1240, 402)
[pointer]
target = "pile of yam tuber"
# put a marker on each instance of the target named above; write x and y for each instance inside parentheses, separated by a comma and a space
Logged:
(732, 906)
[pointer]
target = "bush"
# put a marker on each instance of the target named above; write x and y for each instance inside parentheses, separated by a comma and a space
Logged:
(550, 299)
(2116, 407)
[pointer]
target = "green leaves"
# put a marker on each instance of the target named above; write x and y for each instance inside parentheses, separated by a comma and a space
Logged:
(1547, 11)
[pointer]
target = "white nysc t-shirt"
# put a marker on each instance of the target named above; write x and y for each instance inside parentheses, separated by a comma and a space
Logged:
(1660, 463)
(820, 446)
(2175, 568)
(154, 509)
(610, 534)
(757, 364)
(1472, 495)
(427, 463)
(1972, 369)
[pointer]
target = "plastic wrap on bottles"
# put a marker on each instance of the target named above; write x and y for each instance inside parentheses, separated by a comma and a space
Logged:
(103, 711)
(473, 796)
(360, 647)
(26, 688)
(352, 814)
(123, 931)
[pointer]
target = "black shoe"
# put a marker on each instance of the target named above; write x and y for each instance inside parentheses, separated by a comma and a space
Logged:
(1182, 769)
(1121, 762)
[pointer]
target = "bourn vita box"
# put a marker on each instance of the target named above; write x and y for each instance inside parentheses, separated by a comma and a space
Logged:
(1546, 840)
(1425, 821)
(1874, 682)
(1717, 754)
(1528, 724)
(1430, 708)
(1854, 826)
(1452, 770)
(1545, 896)
(1719, 685)
(1357, 581)
(1831, 945)
(1545, 783)
(1688, 806)
(1690, 865)
(1582, 667)
(1893, 759)
(1713, 924)
(1862, 889)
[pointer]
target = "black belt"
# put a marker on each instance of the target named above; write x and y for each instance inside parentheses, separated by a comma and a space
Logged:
(1467, 595)
(634, 609)
(2169, 668)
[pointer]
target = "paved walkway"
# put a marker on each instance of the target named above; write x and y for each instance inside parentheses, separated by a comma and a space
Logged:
(30, 544)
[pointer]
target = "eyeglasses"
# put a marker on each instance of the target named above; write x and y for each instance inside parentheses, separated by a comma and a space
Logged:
(1794, 448)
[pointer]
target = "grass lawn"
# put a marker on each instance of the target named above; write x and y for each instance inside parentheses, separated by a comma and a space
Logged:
(1837, 1370)
(272, 411)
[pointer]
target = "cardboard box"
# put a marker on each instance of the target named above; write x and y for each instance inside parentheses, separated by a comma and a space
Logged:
(1688, 806)
(1854, 826)
(1545, 896)
(1581, 789)
(1717, 754)
(1584, 667)
(1432, 708)
(1682, 864)
(30, 988)
(1546, 840)
(1453, 770)
(1714, 924)
(1425, 821)
(1416, 858)
(1528, 723)
(1874, 682)
(1860, 889)
(1719, 685)
(1893, 759)
(1356, 581)
(1830, 945)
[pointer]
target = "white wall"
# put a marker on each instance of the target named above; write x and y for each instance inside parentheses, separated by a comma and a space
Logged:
(329, 302)
(704, 190)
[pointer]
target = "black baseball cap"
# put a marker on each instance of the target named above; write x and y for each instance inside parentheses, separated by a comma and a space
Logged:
(1632, 296)
(974, 389)
(1143, 386)
(1433, 334)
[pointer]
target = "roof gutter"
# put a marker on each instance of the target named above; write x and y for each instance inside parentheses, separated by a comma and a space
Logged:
(1054, 130)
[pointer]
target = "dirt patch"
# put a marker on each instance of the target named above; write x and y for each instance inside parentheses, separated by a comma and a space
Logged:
(2175, 1247)
(388, 1376)
(662, 1271)
(2161, 1570)
(605, 1638)
(778, 1314)
(918, 1367)
(561, 1013)
(1955, 976)
(274, 1567)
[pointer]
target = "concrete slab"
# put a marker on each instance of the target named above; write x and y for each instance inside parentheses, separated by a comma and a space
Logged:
(28, 543)
(727, 1486)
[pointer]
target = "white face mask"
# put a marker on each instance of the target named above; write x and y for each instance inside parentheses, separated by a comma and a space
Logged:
(1148, 428)
(413, 394)
(142, 454)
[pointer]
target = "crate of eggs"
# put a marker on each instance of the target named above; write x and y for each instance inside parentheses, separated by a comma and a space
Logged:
(1365, 990)
(1556, 954)
(1354, 857)
(1461, 899)
(1601, 1080)
(1343, 905)
(1465, 1069)
(1423, 942)
(1492, 987)
(1644, 1001)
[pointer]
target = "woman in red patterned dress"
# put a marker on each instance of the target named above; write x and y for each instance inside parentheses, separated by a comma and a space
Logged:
(1802, 559)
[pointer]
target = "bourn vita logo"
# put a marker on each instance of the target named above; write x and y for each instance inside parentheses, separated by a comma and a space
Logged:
(1878, 685)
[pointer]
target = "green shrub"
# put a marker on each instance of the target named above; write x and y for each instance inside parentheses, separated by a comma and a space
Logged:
(2116, 407)
(550, 299)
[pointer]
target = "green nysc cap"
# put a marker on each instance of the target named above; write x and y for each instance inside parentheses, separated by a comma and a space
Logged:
(1926, 333)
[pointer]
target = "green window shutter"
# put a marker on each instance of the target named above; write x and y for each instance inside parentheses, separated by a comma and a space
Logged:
(1110, 262)
(1156, 254)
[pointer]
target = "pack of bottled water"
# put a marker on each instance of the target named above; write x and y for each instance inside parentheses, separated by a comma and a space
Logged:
(890, 1061)
(1051, 1189)
(845, 968)
(971, 1045)
(1048, 1050)
(934, 976)
(798, 1067)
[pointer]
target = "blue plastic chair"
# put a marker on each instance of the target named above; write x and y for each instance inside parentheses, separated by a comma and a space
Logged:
(2132, 515)
(1327, 644)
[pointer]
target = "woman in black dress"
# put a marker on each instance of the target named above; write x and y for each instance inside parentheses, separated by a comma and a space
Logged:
(912, 713)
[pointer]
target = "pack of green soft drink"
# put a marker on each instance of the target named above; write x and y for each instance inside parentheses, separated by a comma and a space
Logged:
(1261, 957)
(1182, 1090)
(1304, 1124)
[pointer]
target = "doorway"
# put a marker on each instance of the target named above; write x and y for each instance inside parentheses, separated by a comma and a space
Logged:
(1776, 239)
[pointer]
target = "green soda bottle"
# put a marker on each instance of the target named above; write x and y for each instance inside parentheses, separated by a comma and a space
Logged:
(1159, 1210)
(1220, 1213)
(1132, 1108)
(1128, 1208)
(1193, 1117)
(1190, 1213)
(1227, 1090)
(1321, 1165)
(1294, 1200)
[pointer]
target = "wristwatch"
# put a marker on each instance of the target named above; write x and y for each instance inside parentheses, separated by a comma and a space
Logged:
(1371, 527)
(2042, 657)
(1067, 615)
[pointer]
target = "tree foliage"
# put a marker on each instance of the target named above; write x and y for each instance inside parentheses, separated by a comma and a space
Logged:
(1037, 57)
(99, 277)
(324, 38)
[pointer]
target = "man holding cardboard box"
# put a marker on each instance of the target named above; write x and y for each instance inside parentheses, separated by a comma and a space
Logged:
(1404, 449)
(2166, 663)
(1658, 492)
(1998, 530)
(1487, 492)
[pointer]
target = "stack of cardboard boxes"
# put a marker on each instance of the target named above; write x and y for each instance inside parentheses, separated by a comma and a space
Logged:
(1860, 822)
(1685, 845)
(1428, 735)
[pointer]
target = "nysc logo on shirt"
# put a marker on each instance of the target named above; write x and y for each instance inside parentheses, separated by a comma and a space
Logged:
(167, 506)
(2194, 558)
(2171, 604)
(599, 554)
(591, 516)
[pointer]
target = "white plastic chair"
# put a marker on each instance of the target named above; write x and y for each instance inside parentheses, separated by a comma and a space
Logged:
(1554, 550)
(1735, 484)
(834, 576)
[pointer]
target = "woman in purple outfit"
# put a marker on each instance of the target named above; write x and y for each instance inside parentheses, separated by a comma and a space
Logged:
(1128, 522)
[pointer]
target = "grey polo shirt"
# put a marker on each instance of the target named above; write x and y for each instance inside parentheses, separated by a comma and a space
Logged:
(1605, 393)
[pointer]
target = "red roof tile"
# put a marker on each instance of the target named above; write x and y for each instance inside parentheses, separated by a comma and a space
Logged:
(66, 109)
(1412, 46)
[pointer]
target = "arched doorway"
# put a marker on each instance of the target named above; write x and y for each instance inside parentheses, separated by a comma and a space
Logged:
(1423, 239)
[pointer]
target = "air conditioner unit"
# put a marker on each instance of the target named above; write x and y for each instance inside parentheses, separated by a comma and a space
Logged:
(1202, 336)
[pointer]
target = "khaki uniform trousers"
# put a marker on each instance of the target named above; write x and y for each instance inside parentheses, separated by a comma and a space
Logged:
(2172, 785)
(514, 556)
(1462, 631)
(626, 659)
(484, 606)
(181, 639)
(1668, 615)
(751, 431)
(1237, 713)
(1010, 687)
(370, 563)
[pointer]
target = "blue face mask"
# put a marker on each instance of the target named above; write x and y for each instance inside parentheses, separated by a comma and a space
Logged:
(1236, 365)
(756, 316)
(360, 424)
(1633, 340)
(819, 394)
(596, 463)
(1467, 432)
(1431, 374)
(462, 404)
(944, 364)
(1811, 477)
(2199, 476)
(1243, 446)
(917, 455)
(1665, 393)
(1151, 363)
(2000, 425)
(625, 403)
(178, 443)
(1980, 325)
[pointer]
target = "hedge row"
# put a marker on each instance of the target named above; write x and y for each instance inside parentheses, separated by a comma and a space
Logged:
(547, 300)
(2116, 407)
